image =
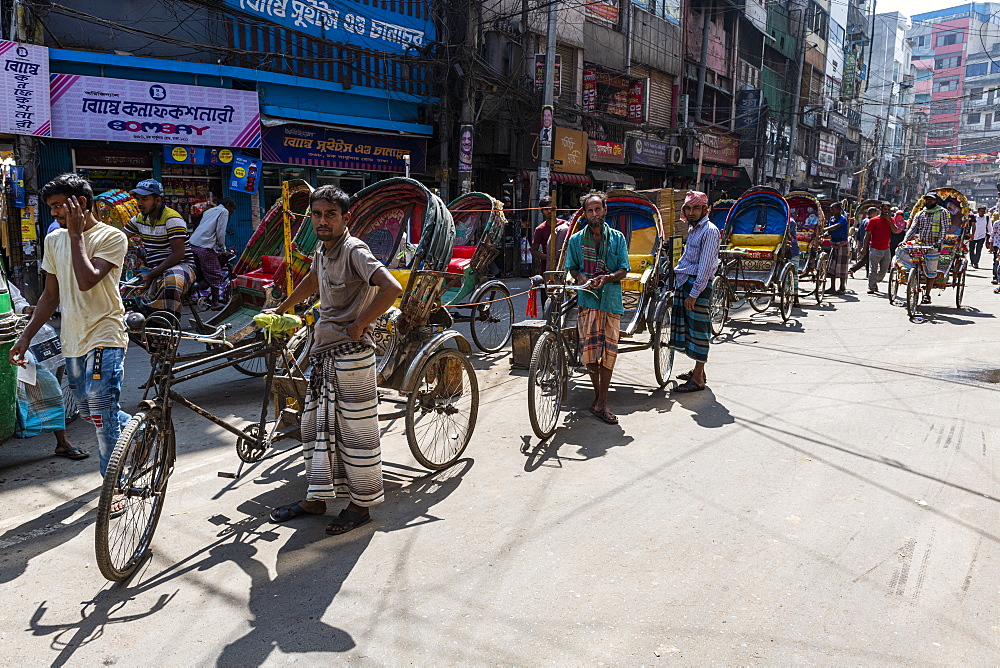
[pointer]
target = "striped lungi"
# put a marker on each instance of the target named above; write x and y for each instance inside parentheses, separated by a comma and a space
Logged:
(598, 331)
(691, 331)
(166, 293)
(840, 260)
(340, 436)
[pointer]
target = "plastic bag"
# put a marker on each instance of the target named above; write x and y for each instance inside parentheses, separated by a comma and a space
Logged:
(39, 405)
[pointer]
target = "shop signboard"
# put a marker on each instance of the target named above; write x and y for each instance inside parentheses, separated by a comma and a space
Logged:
(190, 155)
(321, 147)
(648, 152)
(540, 73)
(604, 10)
(369, 25)
(102, 109)
(606, 151)
(717, 148)
(570, 151)
(24, 78)
(245, 177)
(827, 150)
(637, 106)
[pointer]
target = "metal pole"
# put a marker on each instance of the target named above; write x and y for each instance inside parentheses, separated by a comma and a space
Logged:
(286, 230)
(701, 161)
(703, 69)
(548, 100)
(793, 133)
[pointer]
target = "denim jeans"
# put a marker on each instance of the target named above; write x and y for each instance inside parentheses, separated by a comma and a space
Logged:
(96, 381)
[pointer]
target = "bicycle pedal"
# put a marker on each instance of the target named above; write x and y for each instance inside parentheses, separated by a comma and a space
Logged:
(227, 474)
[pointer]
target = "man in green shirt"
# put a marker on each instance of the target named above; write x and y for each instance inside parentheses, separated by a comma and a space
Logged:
(597, 257)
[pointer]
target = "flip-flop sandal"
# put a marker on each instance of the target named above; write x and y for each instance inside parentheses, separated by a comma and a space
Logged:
(289, 512)
(73, 453)
(120, 510)
(347, 520)
(604, 416)
(686, 375)
(690, 386)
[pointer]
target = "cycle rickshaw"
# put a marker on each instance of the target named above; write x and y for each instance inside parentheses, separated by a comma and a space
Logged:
(907, 266)
(437, 383)
(646, 293)
(754, 259)
(479, 226)
(720, 212)
(810, 219)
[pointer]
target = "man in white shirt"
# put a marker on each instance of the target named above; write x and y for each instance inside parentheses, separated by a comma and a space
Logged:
(980, 230)
(208, 241)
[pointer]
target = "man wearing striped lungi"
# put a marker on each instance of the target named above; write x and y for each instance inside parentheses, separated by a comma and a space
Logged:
(340, 432)
(690, 325)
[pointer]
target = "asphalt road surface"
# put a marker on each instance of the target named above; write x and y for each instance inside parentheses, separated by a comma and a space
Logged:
(831, 499)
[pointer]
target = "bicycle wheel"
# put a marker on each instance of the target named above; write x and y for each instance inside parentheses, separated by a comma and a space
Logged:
(913, 292)
(441, 410)
(491, 323)
(718, 308)
(255, 367)
(136, 477)
(786, 296)
(546, 377)
(760, 303)
(663, 354)
(893, 283)
(821, 264)
(959, 288)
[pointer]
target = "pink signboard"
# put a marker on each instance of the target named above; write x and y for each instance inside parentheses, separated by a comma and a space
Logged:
(24, 73)
(104, 109)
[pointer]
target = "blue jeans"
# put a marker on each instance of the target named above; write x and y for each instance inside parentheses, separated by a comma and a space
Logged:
(96, 381)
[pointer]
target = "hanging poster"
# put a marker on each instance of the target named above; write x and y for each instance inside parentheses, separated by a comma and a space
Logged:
(245, 177)
(540, 74)
(465, 140)
(102, 109)
(24, 77)
(17, 185)
(548, 126)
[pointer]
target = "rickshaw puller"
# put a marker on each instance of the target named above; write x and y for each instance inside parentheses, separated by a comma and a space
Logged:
(928, 226)
(597, 257)
(340, 432)
(691, 322)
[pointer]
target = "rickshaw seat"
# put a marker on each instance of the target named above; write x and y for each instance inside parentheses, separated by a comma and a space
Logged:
(638, 266)
(761, 244)
(803, 246)
(460, 259)
(403, 276)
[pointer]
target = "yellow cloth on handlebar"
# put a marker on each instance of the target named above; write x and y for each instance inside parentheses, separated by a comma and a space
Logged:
(277, 325)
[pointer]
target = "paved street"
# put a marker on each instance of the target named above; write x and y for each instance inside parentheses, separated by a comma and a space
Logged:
(831, 500)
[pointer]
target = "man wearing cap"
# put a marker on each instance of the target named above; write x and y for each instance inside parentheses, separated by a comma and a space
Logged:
(168, 256)
(597, 257)
(927, 229)
(691, 325)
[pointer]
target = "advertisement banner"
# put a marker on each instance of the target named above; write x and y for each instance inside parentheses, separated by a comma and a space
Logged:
(606, 151)
(569, 155)
(648, 152)
(245, 177)
(540, 73)
(589, 91)
(320, 147)
(102, 109)
(748, 111)
(604, 10)
(637, 100)
(17, 186)
(847, 86)
(366, 24)
(29, 224)
(187, 155)
(24, 73)
(466, 133)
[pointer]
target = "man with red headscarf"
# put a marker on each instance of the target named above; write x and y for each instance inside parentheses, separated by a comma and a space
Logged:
(691, 325)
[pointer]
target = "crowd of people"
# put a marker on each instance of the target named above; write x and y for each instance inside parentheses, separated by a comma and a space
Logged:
(84, 258)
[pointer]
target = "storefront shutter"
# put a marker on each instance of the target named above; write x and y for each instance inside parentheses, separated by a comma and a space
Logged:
(567, 78)
(661, 97)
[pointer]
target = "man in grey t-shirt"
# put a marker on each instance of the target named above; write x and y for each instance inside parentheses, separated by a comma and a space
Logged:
(340, 433)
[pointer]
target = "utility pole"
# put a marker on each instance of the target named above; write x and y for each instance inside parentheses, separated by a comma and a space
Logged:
(794, 131)
(548, 100)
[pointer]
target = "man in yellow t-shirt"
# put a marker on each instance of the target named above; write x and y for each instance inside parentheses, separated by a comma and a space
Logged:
(83, 260)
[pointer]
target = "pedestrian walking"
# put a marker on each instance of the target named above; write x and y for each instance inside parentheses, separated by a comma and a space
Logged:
(83, 264)
(597, 257)
(980, 232)
(207, 241)
(859, 239)
(840, 252)
(340, 432)
(995, 248)
(878, 237)
(165, 240)
(691, 325)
